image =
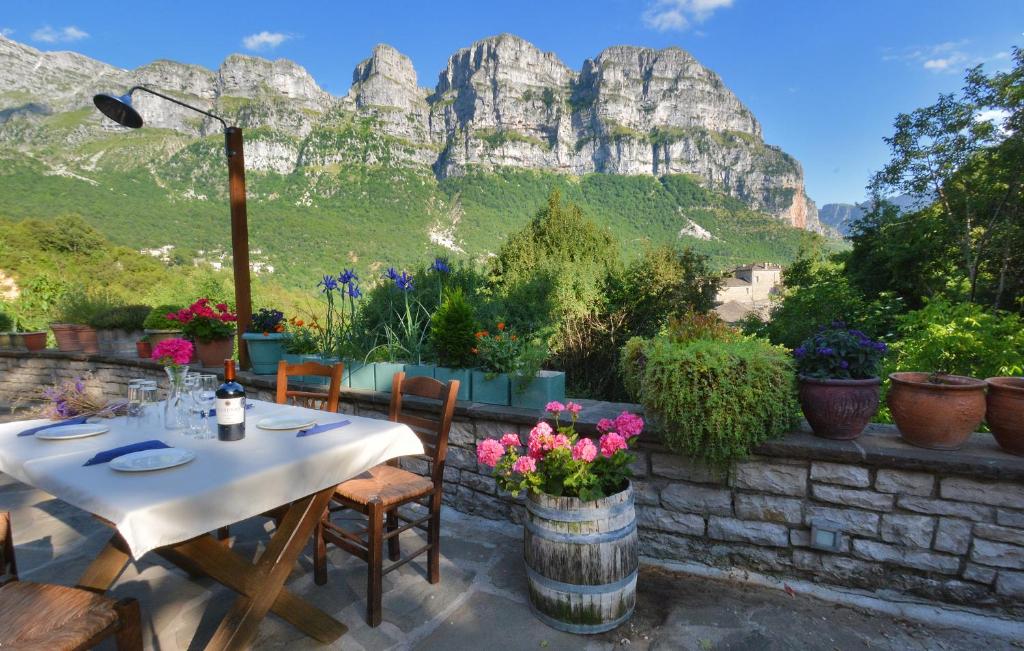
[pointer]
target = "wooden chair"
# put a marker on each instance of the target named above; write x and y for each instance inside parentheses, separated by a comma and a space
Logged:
(55, 617)
(379, 492)
(310, 399)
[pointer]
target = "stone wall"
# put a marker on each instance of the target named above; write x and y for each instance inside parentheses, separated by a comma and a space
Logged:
(946, 526)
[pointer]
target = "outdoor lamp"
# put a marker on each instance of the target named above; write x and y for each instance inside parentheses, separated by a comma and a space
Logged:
(119, 109)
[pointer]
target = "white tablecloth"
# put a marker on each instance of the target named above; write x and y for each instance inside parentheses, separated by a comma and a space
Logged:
(226, 483)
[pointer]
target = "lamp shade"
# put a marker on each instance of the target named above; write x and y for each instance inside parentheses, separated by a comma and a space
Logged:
(119, 109)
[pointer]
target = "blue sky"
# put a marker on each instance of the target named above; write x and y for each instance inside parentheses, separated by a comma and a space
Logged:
(825, 77)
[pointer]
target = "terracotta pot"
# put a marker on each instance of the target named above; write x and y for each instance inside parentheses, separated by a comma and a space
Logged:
(213, 353)
(144, 349)
(34, 340)
(839, 409)
(1005, 413)
(156, 336)
(66, 335)
(939, 415)
(87, 337)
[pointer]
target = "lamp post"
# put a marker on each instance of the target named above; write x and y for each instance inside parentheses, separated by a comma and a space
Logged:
(120, 110)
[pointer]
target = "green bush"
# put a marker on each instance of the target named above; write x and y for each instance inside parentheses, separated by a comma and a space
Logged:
(157, 318)
(453, 331)
(6, 322)
(714, 400)
(125, 317)
(80, 307)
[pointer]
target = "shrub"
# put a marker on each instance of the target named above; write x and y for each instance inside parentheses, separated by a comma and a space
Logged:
(714, 400)
(125, 317)
(692, 326)
(81, 308)
(6, 322)
(453, 330)
(157, 319)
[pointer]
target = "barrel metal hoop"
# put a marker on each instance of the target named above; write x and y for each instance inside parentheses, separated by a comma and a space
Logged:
(581, 538)
(578, 588)
(580, 629)
(580, 515)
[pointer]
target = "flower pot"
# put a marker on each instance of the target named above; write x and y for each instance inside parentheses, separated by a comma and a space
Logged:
(156, 336)
(541, 389)
(294, 358)
(493, 391)
(30, 340)
(939, 416)
(445, 374)
(212, 354)
(839, 409)
(5, 340)
(319, 380)
(384, 375)
(117, 342)
(265, 350)
(66, 335)
(359, 375)
(419, 370)
(144, 349)
(1005, 412)
(88, 338)
(582, 560)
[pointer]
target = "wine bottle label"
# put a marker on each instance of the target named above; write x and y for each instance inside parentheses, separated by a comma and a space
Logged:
(230, 411)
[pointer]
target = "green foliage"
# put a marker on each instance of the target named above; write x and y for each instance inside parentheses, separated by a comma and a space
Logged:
(453, 330)
(499, 352)
(838, 352)
(6, 322)
(692, 326)
(122, 317)
(715, 400)
(157, 318)
(81, 307)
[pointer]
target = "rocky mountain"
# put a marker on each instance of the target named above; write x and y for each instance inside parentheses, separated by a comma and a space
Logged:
(842, 216)
(499, 103)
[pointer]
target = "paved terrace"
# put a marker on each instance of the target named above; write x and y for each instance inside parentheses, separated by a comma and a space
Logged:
(480, 603)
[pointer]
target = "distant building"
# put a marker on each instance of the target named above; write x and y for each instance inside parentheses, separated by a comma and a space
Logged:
(748, 289)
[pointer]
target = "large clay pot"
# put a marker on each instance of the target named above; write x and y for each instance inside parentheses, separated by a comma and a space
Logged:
(66, 335)
(33, 340)
(839, 409)
(144, 349)
(1005, 413)
(212, 354)
(88, 339)
(939, 415)
(156, 336)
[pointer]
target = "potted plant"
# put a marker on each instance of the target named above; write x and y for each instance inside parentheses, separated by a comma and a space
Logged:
(453, 330)
(119, 328)
(6, 326)
(580, 539)
(406, 333)
(211, 328)
(497, 355)
(265, 340)
(29, 340)
(75, 312)
(935, 410)
(143, 347)
(158, 325)
(300, 345)
(838, 377)
(1005, 412)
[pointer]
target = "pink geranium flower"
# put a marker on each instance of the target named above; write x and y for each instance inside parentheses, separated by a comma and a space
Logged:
(489, 452)
(173, 352)
(629, 425)
(611, 443)
(508, 438)
(584, 450)
(605, 425)
(554, 407)
(524, 465)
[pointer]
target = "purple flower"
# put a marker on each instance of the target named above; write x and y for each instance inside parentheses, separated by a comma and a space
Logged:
(79, 385)
(404, 282)
(880, 346)
(843, 364)
(824, 350)
(800, 351)
(347, 276)
(353, 291)
(329, 283)
(391, 274)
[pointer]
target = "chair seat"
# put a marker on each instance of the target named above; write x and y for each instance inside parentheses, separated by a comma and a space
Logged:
(51, 617)
(392, 485)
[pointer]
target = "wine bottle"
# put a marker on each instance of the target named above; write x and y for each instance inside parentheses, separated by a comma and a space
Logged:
(230, 406)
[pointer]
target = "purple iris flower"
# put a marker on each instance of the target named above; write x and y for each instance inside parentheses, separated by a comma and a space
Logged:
(329, 283)
(353, 291)
(440, 265)
(347, 277)
(404, 282)
(391, 274)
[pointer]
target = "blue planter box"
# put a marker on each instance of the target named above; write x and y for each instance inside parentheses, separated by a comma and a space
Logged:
(445, 374)
(384, 375)
(542, 389)
(359, 375)
(492, 392)
(419, 370)
(293, 358)
(265, 351)
(317, 380)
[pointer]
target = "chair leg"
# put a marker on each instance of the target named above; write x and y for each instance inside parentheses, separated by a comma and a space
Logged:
(375, 573)
(434, 538)
(129, 635)
(224, 536)
(320, 552)
(394, 549)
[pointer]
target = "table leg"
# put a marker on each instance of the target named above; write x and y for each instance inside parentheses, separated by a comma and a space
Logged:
(103, 571)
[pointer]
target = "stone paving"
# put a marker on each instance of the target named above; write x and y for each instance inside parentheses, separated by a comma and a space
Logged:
(480, 603)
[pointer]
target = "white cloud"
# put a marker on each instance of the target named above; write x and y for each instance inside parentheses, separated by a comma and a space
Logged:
(264, 40)
(6, 31)
(69, 34)
(938, 64)
(668, 15)
(948, 56)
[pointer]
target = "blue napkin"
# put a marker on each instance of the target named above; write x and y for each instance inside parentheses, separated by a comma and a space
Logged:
(316, 429)
(248, 405)
(77, 420)
(110, 455)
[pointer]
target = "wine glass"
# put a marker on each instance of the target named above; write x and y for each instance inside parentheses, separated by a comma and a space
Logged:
(205, 395)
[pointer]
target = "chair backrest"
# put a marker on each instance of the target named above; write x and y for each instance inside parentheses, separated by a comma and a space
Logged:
(310, 399)
(433, 432)
(8, 569)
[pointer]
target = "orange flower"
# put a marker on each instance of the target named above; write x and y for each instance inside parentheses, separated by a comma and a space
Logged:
(279, 327)
(501, 326)
(474, 351)
(300, 323)
(513, 338)
(481, 334)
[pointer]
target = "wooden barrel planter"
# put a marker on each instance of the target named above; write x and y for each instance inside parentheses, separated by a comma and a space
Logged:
(581, 560)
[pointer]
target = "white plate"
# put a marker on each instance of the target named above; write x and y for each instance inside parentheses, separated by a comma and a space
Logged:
(285, 422)
(146, 460)
(79, 431)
